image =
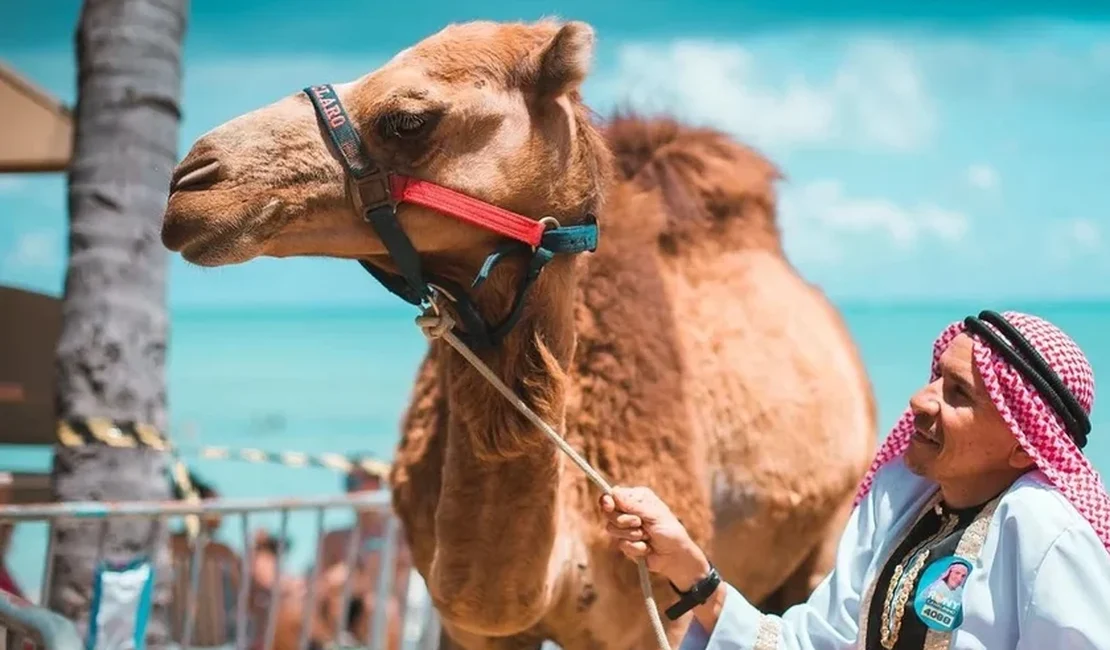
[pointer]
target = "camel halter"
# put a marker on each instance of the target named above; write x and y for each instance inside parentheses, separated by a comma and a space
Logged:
(376, 194)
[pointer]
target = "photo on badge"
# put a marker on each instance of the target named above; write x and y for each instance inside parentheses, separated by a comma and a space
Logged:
(938, 601)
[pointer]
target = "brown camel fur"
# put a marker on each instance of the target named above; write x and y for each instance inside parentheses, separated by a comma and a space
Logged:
(686, 354)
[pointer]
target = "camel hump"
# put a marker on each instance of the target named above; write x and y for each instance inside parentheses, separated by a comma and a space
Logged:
(711, 184)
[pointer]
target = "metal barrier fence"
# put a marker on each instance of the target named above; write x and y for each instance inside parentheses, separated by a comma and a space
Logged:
(25, 626)
(219, 598)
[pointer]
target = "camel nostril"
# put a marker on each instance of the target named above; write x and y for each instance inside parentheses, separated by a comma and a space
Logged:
(195, 176)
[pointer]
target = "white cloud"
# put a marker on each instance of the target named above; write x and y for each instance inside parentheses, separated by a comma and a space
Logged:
(874, 98)
(1021, 60)
(822, 212)
(1086, 232)
(35, 250)
(982, 176)
(1075, 239)
(10, 184)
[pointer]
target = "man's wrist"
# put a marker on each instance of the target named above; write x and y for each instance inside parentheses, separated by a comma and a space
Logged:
(695, 568)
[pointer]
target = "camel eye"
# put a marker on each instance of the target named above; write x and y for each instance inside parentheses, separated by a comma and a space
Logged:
(404, 125)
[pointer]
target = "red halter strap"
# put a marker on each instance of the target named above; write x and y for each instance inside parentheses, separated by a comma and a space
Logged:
(406, 189)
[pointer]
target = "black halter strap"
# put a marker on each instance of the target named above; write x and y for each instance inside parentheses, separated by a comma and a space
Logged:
(1021, 354)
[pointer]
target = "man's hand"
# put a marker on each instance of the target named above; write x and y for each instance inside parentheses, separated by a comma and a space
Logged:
(644, 527)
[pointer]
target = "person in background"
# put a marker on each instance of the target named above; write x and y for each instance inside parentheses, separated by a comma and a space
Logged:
(334, 572)
(982, 481)
(7, 530)
(267, 554)
(218, 586)
(371, 528)
(371, 525)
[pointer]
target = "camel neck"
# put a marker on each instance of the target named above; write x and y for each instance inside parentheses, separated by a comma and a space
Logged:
(499, 498)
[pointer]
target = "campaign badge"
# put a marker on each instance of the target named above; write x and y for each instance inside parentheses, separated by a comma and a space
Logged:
(939, 599)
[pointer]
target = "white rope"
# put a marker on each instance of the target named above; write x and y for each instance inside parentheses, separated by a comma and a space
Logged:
(439, 326)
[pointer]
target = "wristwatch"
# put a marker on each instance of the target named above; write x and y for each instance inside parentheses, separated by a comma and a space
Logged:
(696, 595)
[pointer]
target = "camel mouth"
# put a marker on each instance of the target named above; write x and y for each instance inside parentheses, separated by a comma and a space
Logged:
(237, 235)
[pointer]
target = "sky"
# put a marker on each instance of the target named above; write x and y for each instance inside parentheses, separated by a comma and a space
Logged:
(928, 153)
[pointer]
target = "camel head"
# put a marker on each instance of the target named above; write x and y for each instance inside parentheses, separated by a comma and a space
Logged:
(489, 110)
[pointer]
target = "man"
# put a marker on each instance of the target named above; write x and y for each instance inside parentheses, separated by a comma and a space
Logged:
(7, 530)
(218, 586)
(371, 523)
(984, 470)
(334, 572)
(371, 528)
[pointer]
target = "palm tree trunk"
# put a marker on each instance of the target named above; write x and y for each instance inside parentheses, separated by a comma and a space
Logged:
(110, 360)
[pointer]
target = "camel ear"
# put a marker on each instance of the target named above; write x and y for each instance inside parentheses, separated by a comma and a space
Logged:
(564, 62)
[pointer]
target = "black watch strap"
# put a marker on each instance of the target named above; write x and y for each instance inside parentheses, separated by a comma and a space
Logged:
(696, 595)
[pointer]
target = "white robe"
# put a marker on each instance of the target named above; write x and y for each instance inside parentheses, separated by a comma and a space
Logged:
(1041, 581)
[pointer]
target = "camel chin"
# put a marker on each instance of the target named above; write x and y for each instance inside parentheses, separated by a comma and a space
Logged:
(215, 227)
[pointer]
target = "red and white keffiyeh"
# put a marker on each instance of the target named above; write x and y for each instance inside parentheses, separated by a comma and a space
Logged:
(1035, 424)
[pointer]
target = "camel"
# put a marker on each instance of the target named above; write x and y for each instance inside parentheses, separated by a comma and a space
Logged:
(685, 353)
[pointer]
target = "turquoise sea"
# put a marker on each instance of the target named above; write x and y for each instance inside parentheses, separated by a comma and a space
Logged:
(338, 380)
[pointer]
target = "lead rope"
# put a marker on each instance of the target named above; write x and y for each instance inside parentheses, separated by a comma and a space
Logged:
(439, 325)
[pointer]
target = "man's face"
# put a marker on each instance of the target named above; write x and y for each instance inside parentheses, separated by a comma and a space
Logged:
(212, 521)
(956, 576)
(959, 433)
(362, 481)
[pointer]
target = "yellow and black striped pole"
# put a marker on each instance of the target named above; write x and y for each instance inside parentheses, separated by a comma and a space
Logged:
(81, 432)
(332, 461)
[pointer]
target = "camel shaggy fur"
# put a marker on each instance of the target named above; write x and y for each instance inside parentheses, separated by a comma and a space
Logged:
(686, 354)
